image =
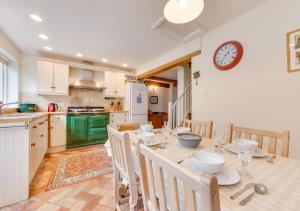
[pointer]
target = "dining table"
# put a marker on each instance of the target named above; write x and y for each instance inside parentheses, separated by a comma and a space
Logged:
(282, 177)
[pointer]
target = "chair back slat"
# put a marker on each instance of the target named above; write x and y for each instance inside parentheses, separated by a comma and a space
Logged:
(163, 175)
(189, 198)
(204, 129)
(272, 145)
(262, 137)
(173, 192)
(160, 186)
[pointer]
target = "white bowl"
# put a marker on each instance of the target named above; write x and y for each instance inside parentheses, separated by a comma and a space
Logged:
(147, 128)
(244, 144)
(147, 137)
(207, 161)
(183, 130)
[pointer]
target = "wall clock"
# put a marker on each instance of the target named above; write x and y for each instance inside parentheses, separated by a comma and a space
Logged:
(228, 55)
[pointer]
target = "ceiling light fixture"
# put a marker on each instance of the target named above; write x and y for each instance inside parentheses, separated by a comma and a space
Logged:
(125, 65)
(183, 11)
(36, 18)
(79, 55)
(48, 48)
(43, 36)
(104, 60)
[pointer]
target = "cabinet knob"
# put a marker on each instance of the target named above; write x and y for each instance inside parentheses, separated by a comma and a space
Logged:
(51, 128)
(42, 135)
(33, 145)
(34, 127)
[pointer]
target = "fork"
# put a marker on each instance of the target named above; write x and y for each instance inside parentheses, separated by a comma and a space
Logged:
(271, 159)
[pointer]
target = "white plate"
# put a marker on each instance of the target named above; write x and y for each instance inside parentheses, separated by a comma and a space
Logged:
(153, 143)
(257, 154)
(225, 177)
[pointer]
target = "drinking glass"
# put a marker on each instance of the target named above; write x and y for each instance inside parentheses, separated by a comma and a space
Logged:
(246, 150)
(219, 141)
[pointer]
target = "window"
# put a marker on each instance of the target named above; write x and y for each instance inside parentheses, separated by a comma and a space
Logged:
(3, 82)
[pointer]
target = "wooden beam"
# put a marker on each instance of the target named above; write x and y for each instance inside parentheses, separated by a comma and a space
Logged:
(162, 80)
(153, 83)
(180, 61)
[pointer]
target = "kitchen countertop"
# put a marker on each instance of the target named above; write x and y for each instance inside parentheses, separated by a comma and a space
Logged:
(21, 117)
(26, 117)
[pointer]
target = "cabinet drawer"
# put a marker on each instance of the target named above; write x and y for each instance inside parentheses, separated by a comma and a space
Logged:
(57, 118)
(98, 121)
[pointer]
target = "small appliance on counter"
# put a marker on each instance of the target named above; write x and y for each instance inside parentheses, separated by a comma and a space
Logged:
(52, 107)
(27, 107)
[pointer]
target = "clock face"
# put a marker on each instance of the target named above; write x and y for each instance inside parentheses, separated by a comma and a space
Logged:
(228, 55)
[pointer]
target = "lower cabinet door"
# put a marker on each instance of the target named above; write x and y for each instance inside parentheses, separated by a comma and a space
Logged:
(97, 135)
(77, 131)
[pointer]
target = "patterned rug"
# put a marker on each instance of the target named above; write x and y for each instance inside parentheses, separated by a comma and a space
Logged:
(79, 167)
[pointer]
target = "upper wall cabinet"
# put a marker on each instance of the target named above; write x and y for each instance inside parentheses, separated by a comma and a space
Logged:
(115, 84)
(52, 78)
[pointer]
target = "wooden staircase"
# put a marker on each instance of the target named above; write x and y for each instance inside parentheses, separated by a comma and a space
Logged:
(181, 109)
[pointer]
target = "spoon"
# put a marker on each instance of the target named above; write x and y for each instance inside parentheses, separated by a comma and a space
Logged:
(258, 188)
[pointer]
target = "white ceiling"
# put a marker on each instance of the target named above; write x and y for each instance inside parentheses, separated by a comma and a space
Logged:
(170, 74)
(117, 30)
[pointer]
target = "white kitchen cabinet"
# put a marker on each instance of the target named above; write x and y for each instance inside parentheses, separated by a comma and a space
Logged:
(120, 84)
(38, 143)
(116, 118)
(115, 84)
(22, 149)
(52, 78)
(58, 135)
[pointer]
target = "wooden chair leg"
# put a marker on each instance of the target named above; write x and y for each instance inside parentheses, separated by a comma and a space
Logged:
(116, 187)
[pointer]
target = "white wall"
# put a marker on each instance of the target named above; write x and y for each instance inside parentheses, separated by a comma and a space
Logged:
(163, 98)
(258, 93)
(12, 52)
(186, 48)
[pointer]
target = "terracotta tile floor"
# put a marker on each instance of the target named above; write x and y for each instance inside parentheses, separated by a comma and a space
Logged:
(94, 194)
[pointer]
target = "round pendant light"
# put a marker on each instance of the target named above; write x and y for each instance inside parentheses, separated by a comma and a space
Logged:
(183, 11)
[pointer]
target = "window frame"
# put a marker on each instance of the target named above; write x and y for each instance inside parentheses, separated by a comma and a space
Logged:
(4, 82)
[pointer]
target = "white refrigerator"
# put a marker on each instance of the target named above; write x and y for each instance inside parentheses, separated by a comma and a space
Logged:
(136, 102)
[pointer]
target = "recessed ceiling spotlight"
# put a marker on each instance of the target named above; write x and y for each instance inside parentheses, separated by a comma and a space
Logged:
(125, 65)
(79, 55)
(104, 60)
(48, 48)
(35, 17)
(43, 36)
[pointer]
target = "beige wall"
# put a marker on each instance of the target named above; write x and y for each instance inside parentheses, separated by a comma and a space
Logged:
(259, 92)
(163, 99)
(184, 49)
(8, 47)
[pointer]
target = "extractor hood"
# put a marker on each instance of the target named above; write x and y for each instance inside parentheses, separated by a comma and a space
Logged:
(87, 82)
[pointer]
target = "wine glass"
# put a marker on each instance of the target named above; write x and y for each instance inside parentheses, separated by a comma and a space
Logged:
(246, 150)
(166, 132)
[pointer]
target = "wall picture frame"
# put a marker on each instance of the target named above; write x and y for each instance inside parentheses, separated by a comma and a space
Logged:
(293, 51)
(154, 99)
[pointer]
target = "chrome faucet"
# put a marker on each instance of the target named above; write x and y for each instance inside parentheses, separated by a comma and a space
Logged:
(5, 104)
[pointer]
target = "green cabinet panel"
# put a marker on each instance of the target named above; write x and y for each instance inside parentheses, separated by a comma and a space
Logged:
(76, 130)
(98, 135)
(98, 121)
(85, 130)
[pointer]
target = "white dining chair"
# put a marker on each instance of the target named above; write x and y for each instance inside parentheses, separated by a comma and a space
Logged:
(160, 178)
(204, 129)
(262, 137)
(123, 166)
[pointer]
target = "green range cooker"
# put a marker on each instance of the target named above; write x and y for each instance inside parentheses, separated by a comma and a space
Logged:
(86, 126)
